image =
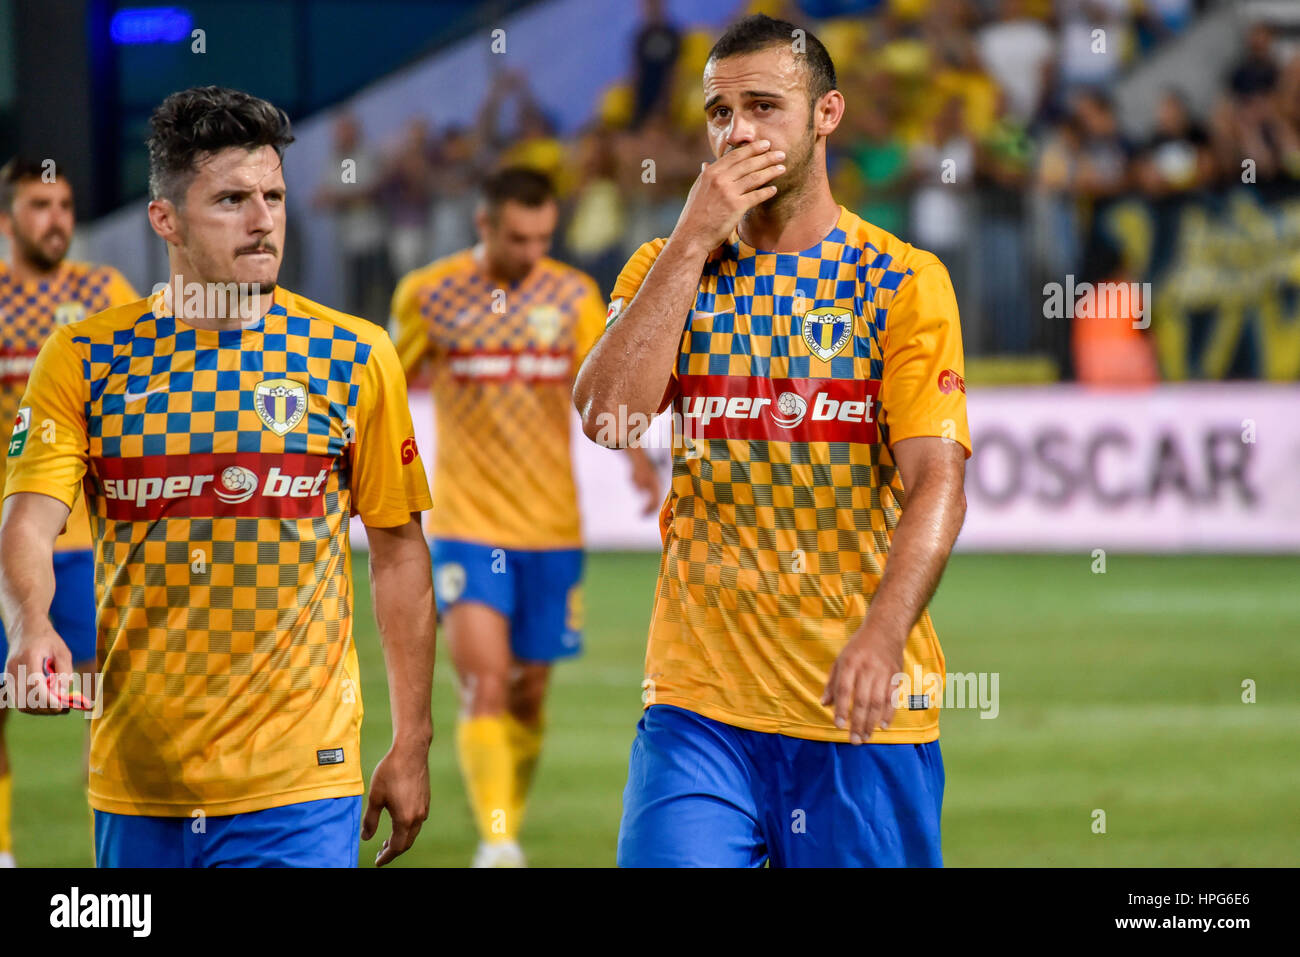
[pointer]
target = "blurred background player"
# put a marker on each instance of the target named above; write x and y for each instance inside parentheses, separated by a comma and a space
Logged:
(40, 290)
(226, 429)
(793, 587)
(502, 328)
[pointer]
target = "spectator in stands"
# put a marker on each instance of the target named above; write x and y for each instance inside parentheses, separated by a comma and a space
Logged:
(1110, 347)
(456, 177)
(1177, 157)
(655, 50)
(1104, 153)
(1002, 166)
(347, 190)
(1094, 36)
(657, 164)
(406, 194)
(1250, 122)
(943, 169)
(593, 238)
(1256, 73)
(1018, 51)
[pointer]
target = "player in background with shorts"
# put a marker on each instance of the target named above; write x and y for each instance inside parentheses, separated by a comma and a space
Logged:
(225, 430)
(502, 328)
(40, 290)
(814, 365)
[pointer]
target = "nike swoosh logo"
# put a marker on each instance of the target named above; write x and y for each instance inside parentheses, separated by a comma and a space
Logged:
(133, 396)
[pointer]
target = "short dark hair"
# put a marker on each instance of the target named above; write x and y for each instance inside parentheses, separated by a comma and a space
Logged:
(517, 184)
(193, 124)
(758, 32)
(23, 169)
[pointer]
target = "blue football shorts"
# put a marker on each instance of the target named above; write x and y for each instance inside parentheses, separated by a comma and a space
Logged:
(538, 591)
(701, 793)
(324, 833)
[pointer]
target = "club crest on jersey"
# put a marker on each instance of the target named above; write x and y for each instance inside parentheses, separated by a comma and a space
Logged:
(280, 404)
(69, 312)
(545, 323)
(826, 330)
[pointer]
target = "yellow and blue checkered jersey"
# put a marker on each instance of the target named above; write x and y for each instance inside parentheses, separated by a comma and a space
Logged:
(220, 469)
(29, 312)
(501, 363)
(797, 373)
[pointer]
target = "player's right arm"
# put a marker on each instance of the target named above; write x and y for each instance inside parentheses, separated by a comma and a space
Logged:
(609, 388)
(31, 524)
(47, 459)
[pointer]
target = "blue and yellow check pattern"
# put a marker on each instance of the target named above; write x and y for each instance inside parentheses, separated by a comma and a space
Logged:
(773, 548)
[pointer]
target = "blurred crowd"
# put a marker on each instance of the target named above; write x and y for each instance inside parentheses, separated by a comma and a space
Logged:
(994, 119)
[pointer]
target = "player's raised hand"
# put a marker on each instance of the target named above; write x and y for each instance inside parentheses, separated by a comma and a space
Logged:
(39, 670)
(725, 190)
(860, 689)
(401, 785)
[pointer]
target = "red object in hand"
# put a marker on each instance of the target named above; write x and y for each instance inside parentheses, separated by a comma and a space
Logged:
(74, 700)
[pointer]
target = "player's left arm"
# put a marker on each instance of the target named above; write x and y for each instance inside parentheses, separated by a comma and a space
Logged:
(389, 490)
(592, 315)
(923, 405)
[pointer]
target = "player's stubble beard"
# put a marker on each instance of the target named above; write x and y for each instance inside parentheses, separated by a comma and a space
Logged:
(34, 252)
(793, 183)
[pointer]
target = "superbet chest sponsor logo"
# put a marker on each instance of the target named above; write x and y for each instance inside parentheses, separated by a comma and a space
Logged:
(784, 410)
(241, 484)
(949, 380)
(510, 366)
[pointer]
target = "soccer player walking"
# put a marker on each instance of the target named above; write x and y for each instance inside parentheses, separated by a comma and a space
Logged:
(224, 430)
(814, 366)
(39, 290)
(502, 327)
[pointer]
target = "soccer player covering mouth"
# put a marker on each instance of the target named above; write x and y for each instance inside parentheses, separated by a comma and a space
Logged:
(223, 431)
(39, 290)
(500, 329)
(814, 366)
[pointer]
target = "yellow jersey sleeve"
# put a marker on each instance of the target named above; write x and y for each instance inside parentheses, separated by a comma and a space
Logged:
(625, 289)
(591, 322)
(49, 449)
(406, 327)
(388, 477)
(923, 388)
(120, 292)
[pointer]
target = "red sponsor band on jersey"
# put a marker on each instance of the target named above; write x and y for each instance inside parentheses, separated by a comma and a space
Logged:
(782, 410)
(506, 365)
(949, 380)
(16, 366)
(236, 484)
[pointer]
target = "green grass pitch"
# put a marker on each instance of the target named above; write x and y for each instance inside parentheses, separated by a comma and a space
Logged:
(1119, 692)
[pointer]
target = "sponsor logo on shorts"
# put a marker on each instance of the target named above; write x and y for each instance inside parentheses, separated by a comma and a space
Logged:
(449, 581)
